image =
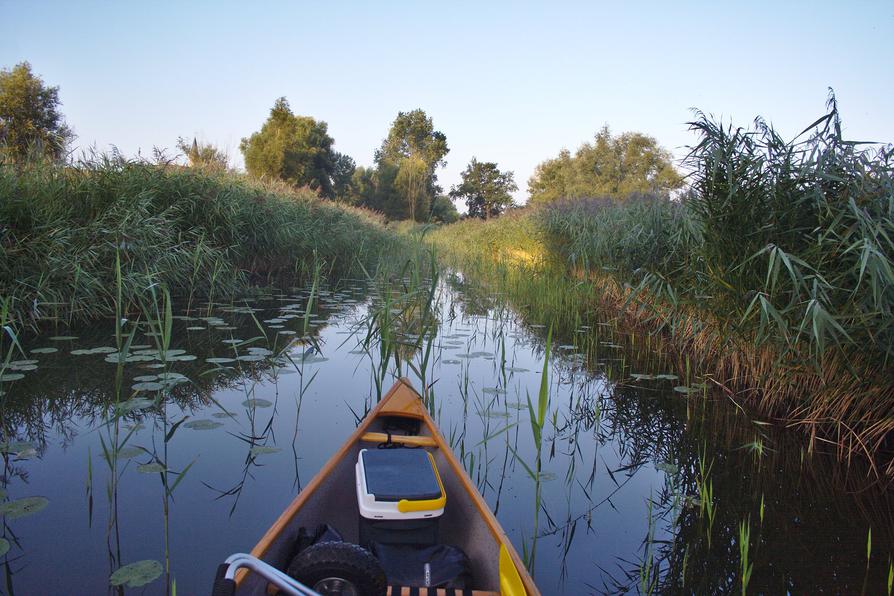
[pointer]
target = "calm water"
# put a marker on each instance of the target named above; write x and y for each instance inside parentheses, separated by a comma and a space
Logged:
(621, 508)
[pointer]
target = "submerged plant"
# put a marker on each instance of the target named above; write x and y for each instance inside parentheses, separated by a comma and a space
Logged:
(745, 566)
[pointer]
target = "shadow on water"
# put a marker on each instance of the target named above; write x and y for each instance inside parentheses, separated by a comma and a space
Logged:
(612, 468)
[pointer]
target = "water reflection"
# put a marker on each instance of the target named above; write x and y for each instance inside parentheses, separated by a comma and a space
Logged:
(611, 494)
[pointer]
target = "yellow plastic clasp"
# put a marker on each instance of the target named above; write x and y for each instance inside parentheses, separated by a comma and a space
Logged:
(405, 505)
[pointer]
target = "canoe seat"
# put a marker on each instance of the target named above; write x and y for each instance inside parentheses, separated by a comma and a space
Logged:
(405, 591)
(411, 440)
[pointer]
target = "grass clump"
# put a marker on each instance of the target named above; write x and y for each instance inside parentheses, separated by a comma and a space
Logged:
(201, 233)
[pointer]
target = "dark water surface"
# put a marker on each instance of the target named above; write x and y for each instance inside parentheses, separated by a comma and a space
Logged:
(622, 491)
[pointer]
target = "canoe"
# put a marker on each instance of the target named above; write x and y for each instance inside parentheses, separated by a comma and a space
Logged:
(335, 497)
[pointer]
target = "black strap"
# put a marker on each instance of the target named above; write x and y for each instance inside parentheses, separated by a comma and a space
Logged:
(222, 586)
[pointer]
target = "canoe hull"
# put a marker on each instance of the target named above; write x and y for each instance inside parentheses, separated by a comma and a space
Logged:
(330, 497)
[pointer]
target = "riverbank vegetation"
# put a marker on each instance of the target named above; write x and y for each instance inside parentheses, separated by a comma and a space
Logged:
(202, 233)
(774, 272)
(769, 264)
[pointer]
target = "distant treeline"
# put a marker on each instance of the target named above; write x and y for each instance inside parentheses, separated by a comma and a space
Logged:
(401, 184)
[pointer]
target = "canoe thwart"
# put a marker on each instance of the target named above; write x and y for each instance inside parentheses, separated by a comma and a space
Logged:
(413, 440)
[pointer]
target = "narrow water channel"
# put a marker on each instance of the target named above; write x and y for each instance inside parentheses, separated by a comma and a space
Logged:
(648, 481)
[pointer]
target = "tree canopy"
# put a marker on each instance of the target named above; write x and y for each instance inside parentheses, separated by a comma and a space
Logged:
(405, 180)
(611, 166)
(30, 120)
(297, 149)
(203, 155)
(485, 189)
(443, 210)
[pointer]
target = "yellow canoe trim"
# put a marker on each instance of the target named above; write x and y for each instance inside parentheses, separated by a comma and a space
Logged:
(405, 505)
(510, 581)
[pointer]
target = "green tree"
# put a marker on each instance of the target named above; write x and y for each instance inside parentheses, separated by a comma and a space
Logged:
(486, 190)
(362, 189)
(203, 155)
(406, 163)
(343, 177)
(297, 149)
(611, 166)
(443, 210)
(30, 120)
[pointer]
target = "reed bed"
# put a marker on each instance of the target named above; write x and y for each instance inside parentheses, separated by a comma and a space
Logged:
(201, 233)
(775, 272)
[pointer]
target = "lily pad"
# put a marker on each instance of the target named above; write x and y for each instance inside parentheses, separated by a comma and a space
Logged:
(63, 337)
(145, 378)
(203, 424)
(251, 358)
(139, 358)
(667, 467)
(643, 377)
(11, 377)
(136, 574)
(22, 507)
(173, 376)
(222, 415)
(16, 447)
(686, 390)
(147, 386)
(137, 403)
(151, 468)
(4, 546)
(44, 350)
(26, 453)
(261, 351)
(493, 391)
(263, 450)
(257, 403)
(451, 361)
(220, 360)
(181, 358)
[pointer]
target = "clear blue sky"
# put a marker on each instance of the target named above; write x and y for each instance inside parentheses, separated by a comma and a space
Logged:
(507, 82)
